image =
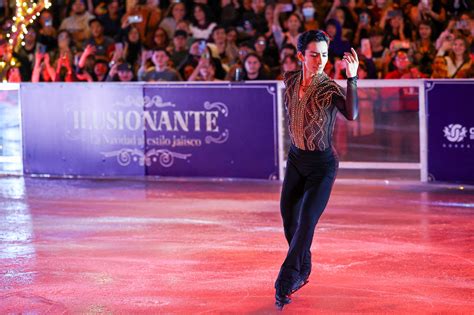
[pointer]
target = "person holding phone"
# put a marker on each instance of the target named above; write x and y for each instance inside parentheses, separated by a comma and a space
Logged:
(294, 25)
(104, 45)
(145, 18)
(26, 54)
(312, 101)
(47, 33)
(395, 28)
(363, 27)
(111, 19)
(429, 10)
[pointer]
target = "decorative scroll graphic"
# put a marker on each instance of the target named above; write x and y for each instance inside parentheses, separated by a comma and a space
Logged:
(219, 106)
(144, 102)
(223, 137)
(163, 156)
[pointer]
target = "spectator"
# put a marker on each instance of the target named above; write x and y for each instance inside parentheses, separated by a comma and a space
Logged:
(194, 55)
(175, 14)
(337, 46)
(395, 28)
(294, 25)
(440, 68)
(430, 10)
(229, 13)
(404, 68)
(290, 63)
(145, 18)
(104, 45)
(205, 70)
(310, 16)
(202, 24)
(458, 59)
(121, 72)
(261, 50)
(253, 68)
(26, 55)
(179, 50)
(43, 71)
(161, 71)
(286, 50)
(255, 17)
(47, 33)
(101, 69)
(363, 27)
(14, 75)
(77, 24)
(245, 48)
(65, 46)
(423, 49)
(64, 69)
(132, 47)
(227, 53)
(111, 20)
(379, 53)
(160, 39)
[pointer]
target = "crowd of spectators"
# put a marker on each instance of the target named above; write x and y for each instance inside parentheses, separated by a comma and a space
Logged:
(211, 40)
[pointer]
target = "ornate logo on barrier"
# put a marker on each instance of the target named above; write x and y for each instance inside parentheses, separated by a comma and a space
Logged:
(455, 132)
(165, 157)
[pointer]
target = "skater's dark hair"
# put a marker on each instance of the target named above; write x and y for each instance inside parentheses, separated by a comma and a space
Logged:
(311, 36)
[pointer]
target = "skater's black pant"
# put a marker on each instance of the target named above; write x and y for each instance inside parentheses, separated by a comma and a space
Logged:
(306, 189)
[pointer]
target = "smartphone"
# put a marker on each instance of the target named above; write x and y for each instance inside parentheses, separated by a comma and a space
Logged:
(287, 7)
(48, 22)
(394, 13)
(364, 18)
(247, 25)
(461, 25)
(425, 3)
(41, 48)
(202, 46)
(135, 19)
(118, 46)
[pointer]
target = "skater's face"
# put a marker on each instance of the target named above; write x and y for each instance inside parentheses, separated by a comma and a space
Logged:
(315, 57)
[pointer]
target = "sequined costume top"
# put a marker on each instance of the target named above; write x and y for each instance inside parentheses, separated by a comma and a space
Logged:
(311, 119)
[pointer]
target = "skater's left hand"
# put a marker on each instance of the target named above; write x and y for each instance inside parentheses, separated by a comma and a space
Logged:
(352, 63)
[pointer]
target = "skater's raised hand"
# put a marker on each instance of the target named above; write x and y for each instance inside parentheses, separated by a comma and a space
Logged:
(352, 63)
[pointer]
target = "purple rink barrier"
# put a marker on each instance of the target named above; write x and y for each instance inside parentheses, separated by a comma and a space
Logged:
(450, 113)
(193, 130)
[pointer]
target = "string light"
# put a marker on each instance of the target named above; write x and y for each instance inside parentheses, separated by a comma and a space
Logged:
(26, 13)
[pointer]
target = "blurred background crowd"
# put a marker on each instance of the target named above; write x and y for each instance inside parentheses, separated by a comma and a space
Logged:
(211, 40)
